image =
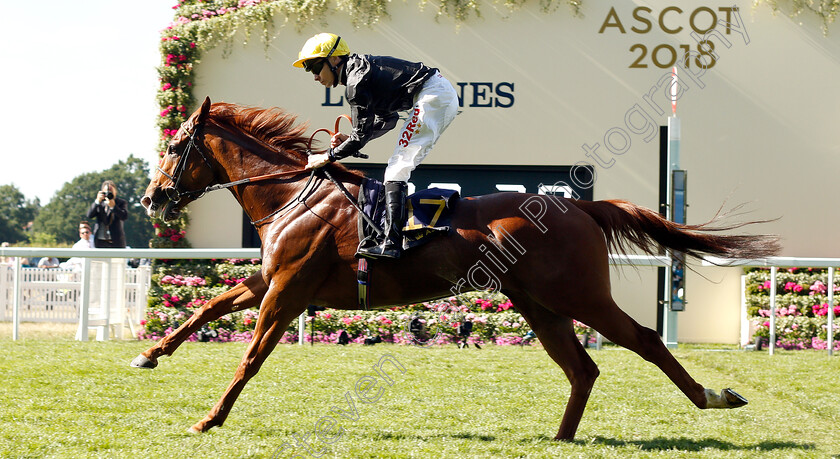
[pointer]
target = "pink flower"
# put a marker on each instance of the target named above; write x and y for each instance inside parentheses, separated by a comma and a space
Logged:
(818, 287)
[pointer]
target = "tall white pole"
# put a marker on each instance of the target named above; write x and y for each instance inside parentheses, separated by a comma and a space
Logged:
(772, 347)
(670, 322)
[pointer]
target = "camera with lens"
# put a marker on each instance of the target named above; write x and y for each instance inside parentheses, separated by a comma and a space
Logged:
(109, 195)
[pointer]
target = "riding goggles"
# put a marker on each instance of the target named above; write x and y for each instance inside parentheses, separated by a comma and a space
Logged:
(314, 65)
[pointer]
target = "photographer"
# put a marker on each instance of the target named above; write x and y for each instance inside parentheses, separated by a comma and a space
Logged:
(109, 213)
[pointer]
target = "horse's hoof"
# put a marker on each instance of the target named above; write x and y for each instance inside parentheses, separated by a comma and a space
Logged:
(728, 398)
(142, 362)
(733, 399)
(193, 430)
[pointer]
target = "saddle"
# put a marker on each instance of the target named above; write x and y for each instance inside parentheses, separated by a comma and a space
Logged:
(428, 214)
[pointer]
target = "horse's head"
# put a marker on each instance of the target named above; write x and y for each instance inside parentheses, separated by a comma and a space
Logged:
(184, 171)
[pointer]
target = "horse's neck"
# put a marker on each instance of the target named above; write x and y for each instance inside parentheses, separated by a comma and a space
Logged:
(246, 159)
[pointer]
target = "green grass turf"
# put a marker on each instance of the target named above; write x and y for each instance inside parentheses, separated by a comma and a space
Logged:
(62, 398)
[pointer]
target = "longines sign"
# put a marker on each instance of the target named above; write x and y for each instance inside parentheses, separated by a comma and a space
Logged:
(470, 94)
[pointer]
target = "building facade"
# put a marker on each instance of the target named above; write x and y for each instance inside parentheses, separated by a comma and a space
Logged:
(543, 92)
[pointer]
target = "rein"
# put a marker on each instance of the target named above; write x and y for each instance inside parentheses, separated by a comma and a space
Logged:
(338, 184)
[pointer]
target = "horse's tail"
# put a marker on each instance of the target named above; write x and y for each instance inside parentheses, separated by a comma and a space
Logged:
(624, 222)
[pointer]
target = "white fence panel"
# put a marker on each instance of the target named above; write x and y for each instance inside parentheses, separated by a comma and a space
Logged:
(54, 294)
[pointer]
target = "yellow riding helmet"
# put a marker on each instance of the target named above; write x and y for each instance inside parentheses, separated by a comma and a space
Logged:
(322, 45)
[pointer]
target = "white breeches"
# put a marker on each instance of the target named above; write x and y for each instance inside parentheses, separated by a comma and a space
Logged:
(435, 106)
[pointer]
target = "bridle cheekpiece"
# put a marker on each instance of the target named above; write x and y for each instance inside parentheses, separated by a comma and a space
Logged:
(173, 193)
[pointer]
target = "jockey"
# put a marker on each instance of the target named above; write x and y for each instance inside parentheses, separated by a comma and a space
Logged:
(377, 88)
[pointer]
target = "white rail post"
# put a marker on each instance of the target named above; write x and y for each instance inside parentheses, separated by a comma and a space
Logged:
(84, 301)
(16, 300)
(745, 319)
(830, 317)
(301, 327)
(103, 333)
(772, 346)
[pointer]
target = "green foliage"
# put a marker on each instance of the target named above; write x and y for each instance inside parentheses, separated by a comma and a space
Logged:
(826, 10)
(38, 239)
(15, 214)
(70, 204)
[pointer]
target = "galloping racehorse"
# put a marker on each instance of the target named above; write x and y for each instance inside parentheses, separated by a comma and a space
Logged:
(308, 229)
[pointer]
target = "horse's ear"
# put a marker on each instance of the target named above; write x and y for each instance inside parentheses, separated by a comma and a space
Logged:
(205, 111)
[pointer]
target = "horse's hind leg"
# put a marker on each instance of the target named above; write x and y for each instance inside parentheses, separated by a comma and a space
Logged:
(607, 318)
(557, 335)
(244, 295)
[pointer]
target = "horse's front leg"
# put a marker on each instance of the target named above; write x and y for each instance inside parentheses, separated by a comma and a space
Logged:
(273, 321)
(247, 294)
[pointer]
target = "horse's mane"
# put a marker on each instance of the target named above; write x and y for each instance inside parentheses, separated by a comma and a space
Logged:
(273, 126)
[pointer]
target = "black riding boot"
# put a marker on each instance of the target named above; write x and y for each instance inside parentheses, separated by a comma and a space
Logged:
(391, 247)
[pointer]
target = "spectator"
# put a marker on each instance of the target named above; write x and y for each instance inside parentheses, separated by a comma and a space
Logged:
(110, 212)
(6, 260)
(48, 262)
(85, 242)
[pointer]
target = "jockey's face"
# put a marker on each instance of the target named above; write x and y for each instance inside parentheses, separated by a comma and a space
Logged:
(326, 76)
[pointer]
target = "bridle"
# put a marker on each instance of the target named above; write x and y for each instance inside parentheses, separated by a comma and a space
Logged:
(174, 194)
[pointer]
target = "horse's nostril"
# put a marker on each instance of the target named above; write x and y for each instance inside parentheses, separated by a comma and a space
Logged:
(146, 202)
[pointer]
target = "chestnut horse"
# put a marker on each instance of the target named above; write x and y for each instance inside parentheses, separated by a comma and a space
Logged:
(551, 253)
